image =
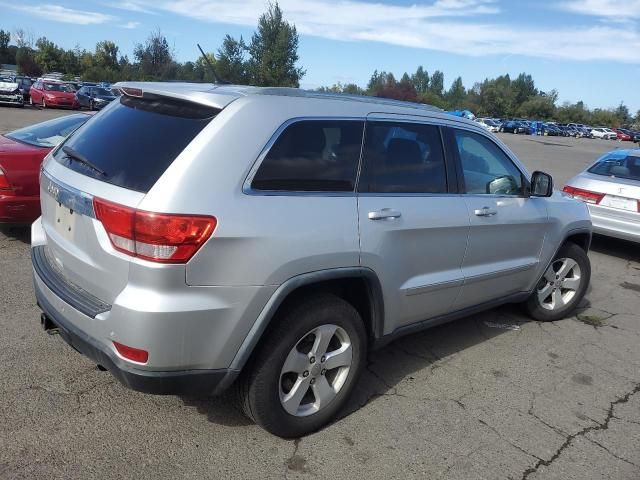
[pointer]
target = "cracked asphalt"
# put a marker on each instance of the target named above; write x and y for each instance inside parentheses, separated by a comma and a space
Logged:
(492, 396)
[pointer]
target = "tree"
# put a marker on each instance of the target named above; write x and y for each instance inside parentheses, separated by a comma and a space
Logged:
(5, 38)
(106, 55)
(380, 81)
(274, 51)
(436, 85)
(232, 64)
(403, 90)
(539, 106)
(47, 55)
(622, 112)
(524, 87)
(154, 57)
(420, 80)
(26, 62)
(456, 95)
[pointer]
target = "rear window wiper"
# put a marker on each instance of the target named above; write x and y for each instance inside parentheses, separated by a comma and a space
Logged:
(72, 154)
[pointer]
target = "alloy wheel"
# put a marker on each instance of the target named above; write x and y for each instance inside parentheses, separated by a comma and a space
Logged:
(560, 284)
(315, 370)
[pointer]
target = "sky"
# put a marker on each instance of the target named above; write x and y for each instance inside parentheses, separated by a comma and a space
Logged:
(586, 49)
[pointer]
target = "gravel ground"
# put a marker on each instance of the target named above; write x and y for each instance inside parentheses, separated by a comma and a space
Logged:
(491, 396)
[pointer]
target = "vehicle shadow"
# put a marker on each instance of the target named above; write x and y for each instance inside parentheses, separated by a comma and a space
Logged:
(20, 233)
(615, 247)
(399, 360)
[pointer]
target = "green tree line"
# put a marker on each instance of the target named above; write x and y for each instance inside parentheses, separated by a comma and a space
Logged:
(500, 97)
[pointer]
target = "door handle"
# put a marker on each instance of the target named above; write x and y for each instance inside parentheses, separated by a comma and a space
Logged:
(383, 214)
(485, 212)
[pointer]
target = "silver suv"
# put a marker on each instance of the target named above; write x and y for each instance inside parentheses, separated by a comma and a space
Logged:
(194, 237)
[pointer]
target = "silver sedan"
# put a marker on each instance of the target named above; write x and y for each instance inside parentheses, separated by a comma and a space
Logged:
(611, 189)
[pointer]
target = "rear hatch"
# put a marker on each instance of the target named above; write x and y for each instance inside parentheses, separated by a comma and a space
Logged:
(116, 157)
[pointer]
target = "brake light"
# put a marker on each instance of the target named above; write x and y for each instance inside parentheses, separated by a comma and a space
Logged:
(130, 353)
(4, 182)
(584, 195)
(158, 237)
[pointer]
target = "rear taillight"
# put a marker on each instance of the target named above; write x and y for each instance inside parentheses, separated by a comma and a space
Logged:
(130, 353)
(584, 195)
(4, 182)
(158, 237)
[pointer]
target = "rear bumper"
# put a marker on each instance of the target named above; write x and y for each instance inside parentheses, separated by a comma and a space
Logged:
(181, 382)
(611, 225)
(19, 209)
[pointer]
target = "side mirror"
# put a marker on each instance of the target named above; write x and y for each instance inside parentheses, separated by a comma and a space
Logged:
(541, 184)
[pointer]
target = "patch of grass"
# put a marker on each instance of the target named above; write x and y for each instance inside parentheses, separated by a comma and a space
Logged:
(593, 320)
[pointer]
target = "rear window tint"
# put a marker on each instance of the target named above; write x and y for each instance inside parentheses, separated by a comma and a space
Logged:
(134, 140)
(313, 156)
(618, 166)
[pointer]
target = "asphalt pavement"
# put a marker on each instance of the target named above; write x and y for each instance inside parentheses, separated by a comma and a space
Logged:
(491, 396)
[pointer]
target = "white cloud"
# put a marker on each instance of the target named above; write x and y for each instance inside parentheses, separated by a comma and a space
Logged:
(130, 25)
(467, 27)
(131, 6)
(609, 9)
(59, 13)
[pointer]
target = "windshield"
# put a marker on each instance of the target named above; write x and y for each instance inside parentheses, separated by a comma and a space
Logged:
(57, 87)
(49, 134)
(618, 166)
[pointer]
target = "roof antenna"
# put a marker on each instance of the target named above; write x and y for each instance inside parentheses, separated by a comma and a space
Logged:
(216, 80)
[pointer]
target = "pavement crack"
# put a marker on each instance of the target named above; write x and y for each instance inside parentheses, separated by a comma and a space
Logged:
(595, 442)
(594, 428)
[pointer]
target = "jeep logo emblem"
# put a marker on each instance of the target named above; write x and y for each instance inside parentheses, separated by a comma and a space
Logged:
(53, 190)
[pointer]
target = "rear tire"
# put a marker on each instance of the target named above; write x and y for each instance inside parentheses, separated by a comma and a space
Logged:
(562, 287)
(284, 389)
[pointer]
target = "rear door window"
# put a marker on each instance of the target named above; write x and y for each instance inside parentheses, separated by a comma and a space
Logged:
(617, 165)
(312, 156)
(402, 158)
(134, 140)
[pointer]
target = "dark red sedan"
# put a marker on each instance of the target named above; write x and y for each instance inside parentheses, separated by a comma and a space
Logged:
(21, 154)
(51, 93)
(622, 135)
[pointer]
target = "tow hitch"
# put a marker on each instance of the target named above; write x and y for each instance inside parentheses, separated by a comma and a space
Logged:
(47, 325)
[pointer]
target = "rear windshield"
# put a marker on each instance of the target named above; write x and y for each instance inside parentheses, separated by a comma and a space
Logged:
(617, 166)
(133, 140)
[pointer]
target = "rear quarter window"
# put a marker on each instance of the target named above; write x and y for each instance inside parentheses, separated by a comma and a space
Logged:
(312, 156)
(134, 140)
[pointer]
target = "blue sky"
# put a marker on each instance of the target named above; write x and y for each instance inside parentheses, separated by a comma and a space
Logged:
(586, 49)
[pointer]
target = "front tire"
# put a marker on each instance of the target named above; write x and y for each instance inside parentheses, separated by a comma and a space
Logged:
(563, 285)
(306, 368)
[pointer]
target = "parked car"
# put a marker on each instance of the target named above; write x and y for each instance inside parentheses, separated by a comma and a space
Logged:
(10, 93)
(21, 155)
(611, 189)
(604, 133)
(552, 130)
(512, 126)
(636, 138)
(489, 124)
(182, 254)
(94, 98)
(51, 93)
(622, 135)
(24, 83)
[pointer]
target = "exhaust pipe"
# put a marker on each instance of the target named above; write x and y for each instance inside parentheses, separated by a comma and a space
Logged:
(47, 325)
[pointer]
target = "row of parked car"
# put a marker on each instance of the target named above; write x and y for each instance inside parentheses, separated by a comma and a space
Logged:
(577, 130)
(52, 92)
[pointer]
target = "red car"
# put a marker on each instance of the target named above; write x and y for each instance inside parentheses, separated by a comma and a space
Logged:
(50, 93)
(21, 154)
(622, 135)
